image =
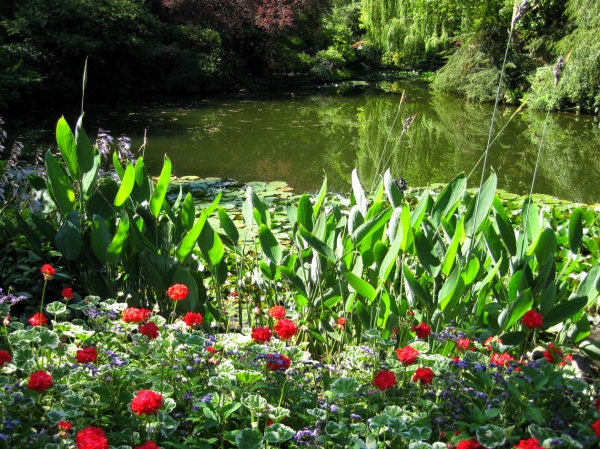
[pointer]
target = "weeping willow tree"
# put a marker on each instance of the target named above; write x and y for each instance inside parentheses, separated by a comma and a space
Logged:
(579, 87)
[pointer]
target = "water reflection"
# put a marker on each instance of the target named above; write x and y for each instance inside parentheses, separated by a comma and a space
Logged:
(296, 139)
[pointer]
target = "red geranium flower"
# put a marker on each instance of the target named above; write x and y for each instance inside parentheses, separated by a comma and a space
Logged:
(407, 355)
(423, 375)
(489, 340)
(530, 443)
(191, 318)
(285, 329)
(147, 445)
(38, 319)
(39, 381)
(470, 444)
(277, 312)
(87, 355)
(384, 379)
(261, 334)
(146, 402)
(532, 319)
(276, 362)
(422, 330)
(177, 292)
(149, 329)
(596, 428)
(552, 354)
(341, 322)
(501, 359)
(4, 357)
(211, 349)
(598, 404)
(91, 438)
(67, 293)
(47, 271)
(135, 315)
(464, 343)
(64, 425)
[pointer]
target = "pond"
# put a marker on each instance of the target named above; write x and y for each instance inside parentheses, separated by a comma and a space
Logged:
(298, 137)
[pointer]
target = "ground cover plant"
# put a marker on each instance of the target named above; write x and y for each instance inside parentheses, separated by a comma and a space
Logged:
(393, 318)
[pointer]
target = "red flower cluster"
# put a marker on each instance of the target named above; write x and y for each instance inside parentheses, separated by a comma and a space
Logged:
(596, 427)
(67, 293)
(424, 376)
(285, 329)
(470, 444)
(47, 271)
(147, 445)
(530, 443)
(64, 426)
(407, 355)
(211, 349)
(552, 354)
(276, 362)
(384, 379)
(340, 322)
(261, 334)
(87, 355)
(501, 359)
(135, 315)
(192, 319)
(465, 344)
(39, 381)
(146, 402)
(4, 357)
(532, 319)
(38, 319)
(422, 330)
(277, 312)
(177, 292)
(149, 329)
(91, 438)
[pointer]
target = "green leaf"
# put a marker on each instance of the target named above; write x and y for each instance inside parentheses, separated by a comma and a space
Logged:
(448, 288)
(345, 387)
(575, 230)
(362, 287)
(188, 212)
(28, 232)
(160, 190)
(450, 256)
(513, 338)
(211, 245)
(215, 203)
(505, 227)
(390, 258)
(68, 240)
(143, 183)
(248, 377)
(516, 310)
(294, 279)
(48, 339)
(426, 254)
(187, 244)
(359, 194)
(448, 199)
(564, 311)
(249, 439)
(113, 253)
(321, 247)
(254, 402)
(67, 146)
(305, 213)
(391, 190)
(530, 220)
(482, 205)
(57, 308)
(320, 197)
(269, 244)
(89, 177)
(417, 215)
(85, 152)
(278, 433)
(117, 164)
(126, 185)
(491, 436)
(415, 289)
(60, 184)
(369, 227)
(101, 238)
(590, 285)
(589, 347)
(419, 433)
(228, 226)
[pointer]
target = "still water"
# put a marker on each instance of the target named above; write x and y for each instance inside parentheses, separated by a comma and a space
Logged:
(297, 138)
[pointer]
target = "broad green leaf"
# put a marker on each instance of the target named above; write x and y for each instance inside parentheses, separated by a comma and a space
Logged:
(415, 290)
(228, 226)
(269, 244)
(516, 310)
(215, 203)
(447, 290)
(513, 338)
(85, 152)
(254, 402)
(278, 433)
(359, 194)
(505, 227)
(117, 164)
(211, 245)
(564, 310)
(68, 240)
(249, 439)
(479, 208)
(369, 227)
(126, 185)
(247, 377)
(590, 286)
(160, 190)
(294, 279)
(391, 190)
(57, 308)
(545, 249)
(305, 213)
(345, 387)
(48, 338)
(530, 220)
(419, 212)
(426, 254)
(580, 330)
(60, 184)
(320, 246)
(575, 230)
(320, 197)
(187, 244)
(113, 254)
(362, 287)
(448, 199)
(89, 178)
(390, 258)
(28, 232)
(143, 183)
(450, 256)
(491, 436)
(188, 212)
(44, 227)
(67, 146)
(589, 347)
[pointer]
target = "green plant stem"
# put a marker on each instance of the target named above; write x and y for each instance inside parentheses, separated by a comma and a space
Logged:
(43, 296)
